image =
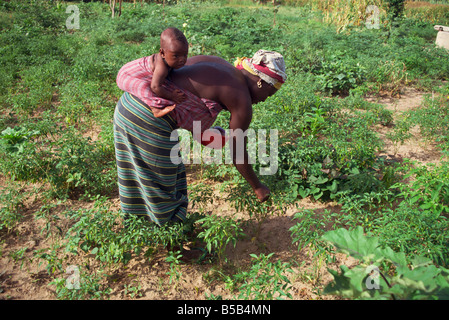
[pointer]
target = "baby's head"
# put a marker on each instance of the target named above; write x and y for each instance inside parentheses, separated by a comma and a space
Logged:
(174, 47)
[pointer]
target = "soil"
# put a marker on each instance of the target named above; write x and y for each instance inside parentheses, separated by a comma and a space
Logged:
(26, 278)
(415, 148)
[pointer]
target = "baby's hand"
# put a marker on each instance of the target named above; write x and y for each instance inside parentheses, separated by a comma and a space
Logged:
(162, 112)
(179, 96)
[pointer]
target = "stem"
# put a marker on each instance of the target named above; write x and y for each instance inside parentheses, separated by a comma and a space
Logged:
(388, 284)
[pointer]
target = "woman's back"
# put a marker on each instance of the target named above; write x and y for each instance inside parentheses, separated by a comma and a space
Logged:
(211, 78)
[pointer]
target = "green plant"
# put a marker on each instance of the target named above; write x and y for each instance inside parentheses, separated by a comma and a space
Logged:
(265, 280)
(53, 258)
(429, 189)
(19, 255)
(200, 195)
(98, 231)
(13, 139)
(89, 286)
(173, 258)
(307, 232)
(58, 95)
(395, 8)
(133, 291)
(217, 232)
(315, 120)
(18, 152)
(338, 75)
(400, 134)
(12, 204)
(51, 219)
(388, 77)
(383, 273)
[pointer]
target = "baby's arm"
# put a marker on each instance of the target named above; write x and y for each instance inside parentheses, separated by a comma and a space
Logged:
(133, 78)
(159, 75)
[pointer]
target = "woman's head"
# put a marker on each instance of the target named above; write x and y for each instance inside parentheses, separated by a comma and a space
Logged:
(174, 47)
(267, 65)
(269, 68)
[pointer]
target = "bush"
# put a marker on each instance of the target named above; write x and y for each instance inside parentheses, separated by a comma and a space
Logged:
(382, 273)
(338, 75)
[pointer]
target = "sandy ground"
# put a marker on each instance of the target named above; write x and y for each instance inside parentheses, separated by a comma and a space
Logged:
(25, 278)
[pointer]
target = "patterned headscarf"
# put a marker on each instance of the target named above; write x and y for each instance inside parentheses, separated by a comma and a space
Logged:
(268, 65)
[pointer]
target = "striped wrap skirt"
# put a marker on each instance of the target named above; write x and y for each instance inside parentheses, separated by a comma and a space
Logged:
(149, 183)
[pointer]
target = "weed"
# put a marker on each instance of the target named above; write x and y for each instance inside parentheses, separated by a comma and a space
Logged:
(173, 258)
(12, 205)
(382, 272)
(57, 86)
(133, 291)
(308, 230)
(338, 75)
(89, 286)
(217, 232)
(264, 280)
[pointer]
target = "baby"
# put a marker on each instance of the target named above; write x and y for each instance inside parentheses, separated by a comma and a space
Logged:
(172, 55)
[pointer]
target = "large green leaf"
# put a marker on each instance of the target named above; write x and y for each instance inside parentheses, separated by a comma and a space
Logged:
(422, 281)
(353, 243)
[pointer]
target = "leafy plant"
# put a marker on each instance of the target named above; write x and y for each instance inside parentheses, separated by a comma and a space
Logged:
(307, 232)
(133, 291)
(91, 287)
(432, 117)
(339, 75)
(13, 139)
(264, 280)
(173, 258)
(395, 8)
(52, 257)
(200, 195)
(217, 232)
(11, 200)
(429, 189)
(383, 273)
(98, 231)
(58, 91)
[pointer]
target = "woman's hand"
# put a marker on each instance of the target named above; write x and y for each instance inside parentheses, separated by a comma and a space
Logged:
(262, 193)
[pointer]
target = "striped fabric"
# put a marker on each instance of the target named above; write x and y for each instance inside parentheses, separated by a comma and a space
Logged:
(149, 183)
(135, 77)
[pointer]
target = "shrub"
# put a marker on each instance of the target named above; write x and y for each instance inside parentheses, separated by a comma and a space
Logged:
(383, 273)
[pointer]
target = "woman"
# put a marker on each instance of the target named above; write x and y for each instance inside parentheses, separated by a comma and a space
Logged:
(149, 182)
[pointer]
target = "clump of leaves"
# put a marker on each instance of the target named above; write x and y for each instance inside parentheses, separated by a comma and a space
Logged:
(89, 286)
(217, 232)
(265, 280)
(310, 227)
(383, 273)
(338, 75)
